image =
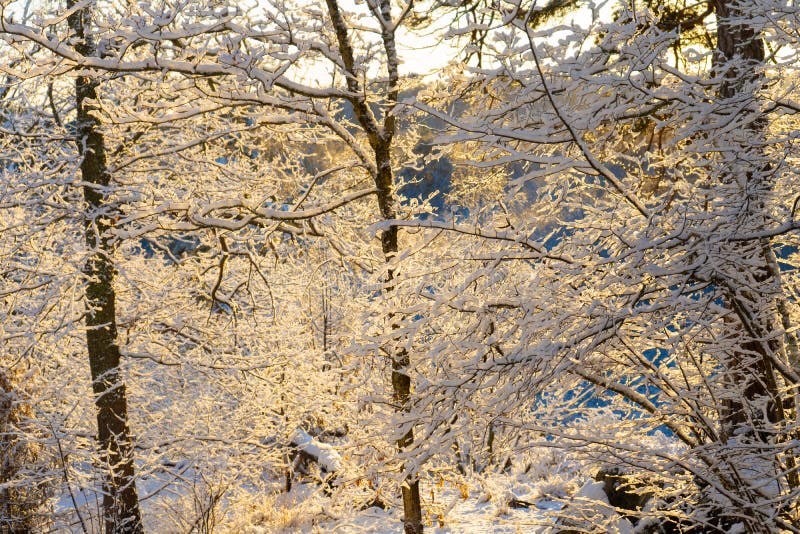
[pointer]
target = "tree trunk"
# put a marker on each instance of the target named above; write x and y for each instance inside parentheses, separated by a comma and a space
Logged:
(120, 501)
(380, 138)
(756, 305)
(401, 381)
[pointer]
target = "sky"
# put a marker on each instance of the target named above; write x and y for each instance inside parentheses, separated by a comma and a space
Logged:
(424, 52)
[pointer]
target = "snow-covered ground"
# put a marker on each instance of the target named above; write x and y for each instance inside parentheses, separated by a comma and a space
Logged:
(472, 515)
(528, 499)
(482, 506)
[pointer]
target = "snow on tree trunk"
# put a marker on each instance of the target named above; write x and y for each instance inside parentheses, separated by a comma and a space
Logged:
(120, 501)
(752, 283)
(380, 140)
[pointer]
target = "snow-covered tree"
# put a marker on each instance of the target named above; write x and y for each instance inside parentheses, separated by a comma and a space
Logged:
(215, 78)
(61, 183)
(619, 278)
(654, 272)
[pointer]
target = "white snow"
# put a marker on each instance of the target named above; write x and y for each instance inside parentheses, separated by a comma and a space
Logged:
(327, 457)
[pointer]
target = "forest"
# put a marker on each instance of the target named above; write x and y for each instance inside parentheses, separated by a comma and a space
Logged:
(377, 266)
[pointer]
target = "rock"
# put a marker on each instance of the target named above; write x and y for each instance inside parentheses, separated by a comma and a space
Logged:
(622, 491)
(591, 511)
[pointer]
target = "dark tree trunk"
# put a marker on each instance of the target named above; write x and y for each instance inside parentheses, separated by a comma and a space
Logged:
(380, 140)
(739, 55)
(401, 381)
(120, 502)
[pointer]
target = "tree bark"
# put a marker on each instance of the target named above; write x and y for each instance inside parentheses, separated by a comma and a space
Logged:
(739, 52)
(757, 305)
(380, 138)
(401, 381)
(121, 512)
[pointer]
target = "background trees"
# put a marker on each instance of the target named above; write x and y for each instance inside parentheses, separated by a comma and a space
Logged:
(226, 70)
(658, 175)
(617, 275)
